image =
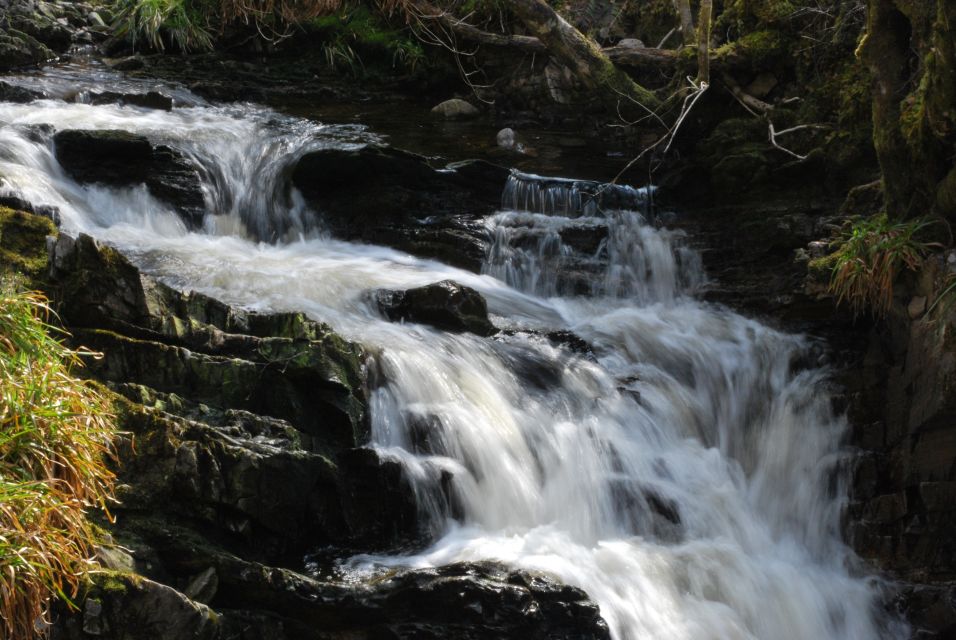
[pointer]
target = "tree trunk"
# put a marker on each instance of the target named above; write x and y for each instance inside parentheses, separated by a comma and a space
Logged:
(582, 55)
(686, 21)
(703, 42)
(914, 118)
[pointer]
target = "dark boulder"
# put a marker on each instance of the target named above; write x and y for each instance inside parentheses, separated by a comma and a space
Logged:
(120, 158)
(108, 157)
(444, 305)
(148, 100)
(13, 93)
(392, 197)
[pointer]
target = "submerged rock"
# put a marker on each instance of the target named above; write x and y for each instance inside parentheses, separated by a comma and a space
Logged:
(148, 100)
(444, 305)
(455, 109)
(120, 158)
(13, 93)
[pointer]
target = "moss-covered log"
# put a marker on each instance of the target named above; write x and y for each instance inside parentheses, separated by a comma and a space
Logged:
(580, 53)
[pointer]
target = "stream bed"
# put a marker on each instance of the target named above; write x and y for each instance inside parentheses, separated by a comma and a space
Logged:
(685, 469)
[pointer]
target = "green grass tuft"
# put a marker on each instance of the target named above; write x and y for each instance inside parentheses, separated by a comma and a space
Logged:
(872, 253)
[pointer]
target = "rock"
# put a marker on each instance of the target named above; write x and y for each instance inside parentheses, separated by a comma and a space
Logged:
(18, 49)
(819, 248)
(632, 43)
(762, 85)
(23, 244)
(93, 617)
(105, 156)
(455, 109)
(202, 587)
(120, 158)
(465, 601)
(115, 559)
(13, 93)
(129, 63)
(148, 100)
(132, 608)
(391, 197)
(916, 307)
(379, 506)
(506, 138)
(19, 204)
(445, 305)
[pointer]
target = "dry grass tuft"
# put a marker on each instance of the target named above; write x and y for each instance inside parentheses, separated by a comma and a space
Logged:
(56, 433)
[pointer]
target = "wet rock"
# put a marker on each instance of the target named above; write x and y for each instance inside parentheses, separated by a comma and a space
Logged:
(455, 109)
(129, 63)
(148, 100)
(169, 341)
(120, 158)
(445, 305)
(506, 138)
(378, 502)
(386, 196)
(13, 93)
(134, 608)
(104, 156)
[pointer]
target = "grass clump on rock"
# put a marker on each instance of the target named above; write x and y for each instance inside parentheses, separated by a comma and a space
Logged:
(56, 433)
(872, 253)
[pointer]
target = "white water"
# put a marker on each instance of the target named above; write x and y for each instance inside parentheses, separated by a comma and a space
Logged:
(686, 477)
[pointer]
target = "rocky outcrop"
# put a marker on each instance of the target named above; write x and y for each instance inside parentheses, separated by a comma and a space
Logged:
(463, 602)
(902, 403)
(35, 31)
(395, 198)
(120, 158)
(444, 305)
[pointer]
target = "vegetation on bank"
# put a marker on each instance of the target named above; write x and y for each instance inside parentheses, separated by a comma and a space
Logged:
(871, 254)
(56, 434)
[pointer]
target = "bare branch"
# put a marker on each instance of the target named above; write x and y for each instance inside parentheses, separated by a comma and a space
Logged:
(772, 134)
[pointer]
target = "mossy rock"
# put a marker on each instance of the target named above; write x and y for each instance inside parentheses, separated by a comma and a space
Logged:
(23, 247)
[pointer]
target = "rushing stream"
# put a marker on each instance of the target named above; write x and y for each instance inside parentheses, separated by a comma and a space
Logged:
(687, 475)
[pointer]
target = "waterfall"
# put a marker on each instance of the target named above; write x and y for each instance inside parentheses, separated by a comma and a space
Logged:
(685, 473)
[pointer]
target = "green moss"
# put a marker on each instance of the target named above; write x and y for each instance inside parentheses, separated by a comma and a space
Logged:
(761, 50)
(359, 41)
(744, 16)
(23, 243)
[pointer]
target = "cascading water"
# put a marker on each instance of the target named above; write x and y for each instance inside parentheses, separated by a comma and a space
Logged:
(686, 475)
